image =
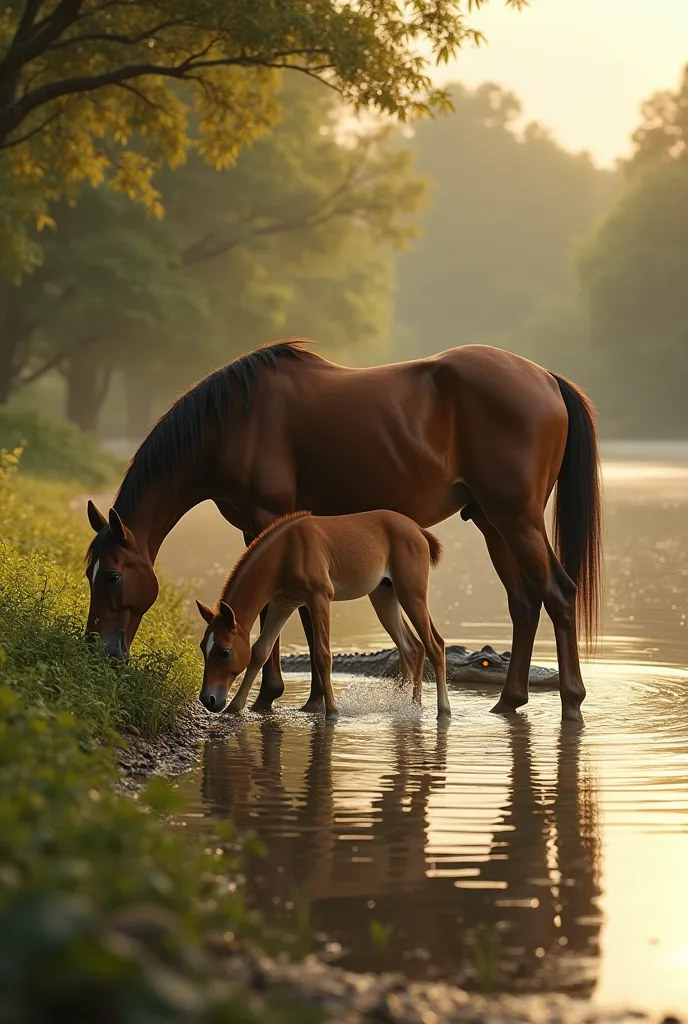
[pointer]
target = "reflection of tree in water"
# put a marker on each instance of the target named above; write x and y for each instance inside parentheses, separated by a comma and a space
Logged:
(536, 888)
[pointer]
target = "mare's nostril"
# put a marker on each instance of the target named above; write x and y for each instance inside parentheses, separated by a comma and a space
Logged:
(211, 701)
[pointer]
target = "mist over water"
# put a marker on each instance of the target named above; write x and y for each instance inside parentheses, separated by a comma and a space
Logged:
(545, 859)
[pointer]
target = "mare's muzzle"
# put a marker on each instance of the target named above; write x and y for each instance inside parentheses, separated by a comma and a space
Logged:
(113, 641)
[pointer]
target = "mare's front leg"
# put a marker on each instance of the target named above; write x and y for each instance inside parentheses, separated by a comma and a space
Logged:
(319, 607)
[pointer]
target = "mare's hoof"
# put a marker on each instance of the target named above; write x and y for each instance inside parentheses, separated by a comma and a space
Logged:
(569, 713)
(332, 715)
(502, 707)
(263, 704)
(444, 714)
(313, 706)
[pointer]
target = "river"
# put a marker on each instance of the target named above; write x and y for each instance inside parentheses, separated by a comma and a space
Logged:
(515, 852)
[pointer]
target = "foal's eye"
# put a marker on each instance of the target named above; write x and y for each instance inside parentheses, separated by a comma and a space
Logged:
(114, 577)
(226, 653)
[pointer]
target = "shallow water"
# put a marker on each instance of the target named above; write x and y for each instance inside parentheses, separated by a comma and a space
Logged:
(548, 859)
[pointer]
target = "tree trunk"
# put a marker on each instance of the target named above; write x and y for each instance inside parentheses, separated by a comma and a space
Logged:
(140, 400)
(15, 329)
(87, 387)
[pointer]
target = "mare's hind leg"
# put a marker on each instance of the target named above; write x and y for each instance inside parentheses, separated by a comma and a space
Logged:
(524, 610)
(526, 537)
(411, 650)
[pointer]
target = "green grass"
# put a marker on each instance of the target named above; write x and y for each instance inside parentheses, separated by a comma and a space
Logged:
(43, 606)
(106, 910)
(56, 449)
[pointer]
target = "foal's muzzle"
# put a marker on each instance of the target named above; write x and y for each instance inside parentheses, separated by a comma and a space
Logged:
(213, 699)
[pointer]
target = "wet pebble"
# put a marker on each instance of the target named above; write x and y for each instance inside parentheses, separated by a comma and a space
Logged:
(347, 998)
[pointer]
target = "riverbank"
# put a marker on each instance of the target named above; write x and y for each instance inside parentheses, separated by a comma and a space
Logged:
(347, 998)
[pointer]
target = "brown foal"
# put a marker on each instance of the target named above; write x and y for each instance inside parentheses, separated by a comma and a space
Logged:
(309, 561)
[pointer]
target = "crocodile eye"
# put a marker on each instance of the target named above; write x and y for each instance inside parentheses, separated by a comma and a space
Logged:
(485, 663)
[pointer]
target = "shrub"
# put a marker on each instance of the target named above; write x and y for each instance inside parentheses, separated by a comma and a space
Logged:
(56, 449)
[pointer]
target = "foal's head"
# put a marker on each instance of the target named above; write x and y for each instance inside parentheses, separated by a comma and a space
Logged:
(123, 583)
(226, 653)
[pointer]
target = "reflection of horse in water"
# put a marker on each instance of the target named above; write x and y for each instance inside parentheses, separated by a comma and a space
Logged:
(535, 885)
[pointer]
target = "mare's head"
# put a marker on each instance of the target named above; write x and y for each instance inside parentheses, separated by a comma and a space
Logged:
(123, 583)
(226, 653)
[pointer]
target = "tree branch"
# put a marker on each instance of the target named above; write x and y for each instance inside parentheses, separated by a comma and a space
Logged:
(15, 115)
(53, 362)
(23, 50)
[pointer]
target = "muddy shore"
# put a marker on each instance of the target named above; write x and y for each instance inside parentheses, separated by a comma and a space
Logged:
(347, 998)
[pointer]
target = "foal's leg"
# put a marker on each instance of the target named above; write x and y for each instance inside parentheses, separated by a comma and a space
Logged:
(416, 607)
(524, 609)
(272, 683)
(319, 607)
(316, 700)
(275, 620)
(526, 538)
(411, 651)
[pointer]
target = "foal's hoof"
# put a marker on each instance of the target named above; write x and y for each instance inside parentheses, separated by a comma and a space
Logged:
(313, 705)
(570, 713)
(233, 709)
(332, 715)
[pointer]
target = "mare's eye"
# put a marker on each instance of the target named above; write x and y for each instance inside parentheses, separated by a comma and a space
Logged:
(114, 577)
(226, 653)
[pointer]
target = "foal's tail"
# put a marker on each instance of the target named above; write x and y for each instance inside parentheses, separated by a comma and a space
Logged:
(434, 545)
(578, 508)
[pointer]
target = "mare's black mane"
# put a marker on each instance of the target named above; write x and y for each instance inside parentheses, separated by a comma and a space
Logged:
(178, 434)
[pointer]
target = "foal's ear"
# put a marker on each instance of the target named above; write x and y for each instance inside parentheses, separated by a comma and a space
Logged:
(117, 526)
(227, 615)
(95, 517)
(206, 613)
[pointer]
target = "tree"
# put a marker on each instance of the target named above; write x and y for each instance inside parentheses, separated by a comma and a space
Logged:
(295, 238)
(106, 279)
(90, 89)
(506, 207)
(634, 269)
(663, 132)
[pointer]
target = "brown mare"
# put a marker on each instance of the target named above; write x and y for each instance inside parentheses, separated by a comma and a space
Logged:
(474, 429)
(309, 561)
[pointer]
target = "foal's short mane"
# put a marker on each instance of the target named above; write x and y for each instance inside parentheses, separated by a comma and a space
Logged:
(178, 435)
(268, 531)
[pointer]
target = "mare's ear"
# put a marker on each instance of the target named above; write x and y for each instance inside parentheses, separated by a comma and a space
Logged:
(227, 615)
(206, 613)
(95, 517)
(117, 526)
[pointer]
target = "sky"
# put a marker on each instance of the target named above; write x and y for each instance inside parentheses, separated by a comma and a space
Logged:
(580, 67)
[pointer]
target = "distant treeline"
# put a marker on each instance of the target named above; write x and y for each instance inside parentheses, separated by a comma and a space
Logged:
(534, 249)
(381, 245)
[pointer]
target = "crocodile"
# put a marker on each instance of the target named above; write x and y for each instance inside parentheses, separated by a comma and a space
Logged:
(484, 667)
